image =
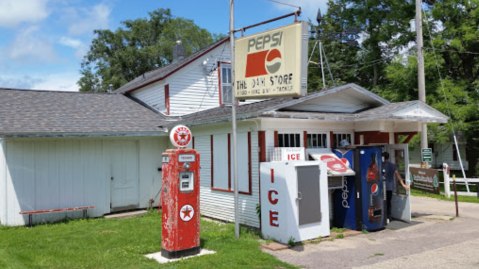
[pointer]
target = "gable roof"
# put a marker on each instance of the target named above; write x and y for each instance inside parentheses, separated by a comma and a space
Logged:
(165, 71)
(278, 108)
(51, 113)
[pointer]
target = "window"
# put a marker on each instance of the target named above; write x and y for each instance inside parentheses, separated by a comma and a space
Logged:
(317, 140)
(339, 137)
(226, 87)
(222, 163)
(289, 141)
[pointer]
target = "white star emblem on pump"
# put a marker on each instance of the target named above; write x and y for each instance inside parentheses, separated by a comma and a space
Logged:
(187, 212)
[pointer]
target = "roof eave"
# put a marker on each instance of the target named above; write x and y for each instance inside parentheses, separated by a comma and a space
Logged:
(80, 134)
(177, 69)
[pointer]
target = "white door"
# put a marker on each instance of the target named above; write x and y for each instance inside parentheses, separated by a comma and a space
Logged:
(400, 203)
(124, 175)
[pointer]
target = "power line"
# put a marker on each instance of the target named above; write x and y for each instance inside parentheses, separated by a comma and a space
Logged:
(281, 3)
(456, 51)
(358, 64)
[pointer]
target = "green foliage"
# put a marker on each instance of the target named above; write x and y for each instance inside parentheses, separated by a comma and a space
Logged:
(385, 26)
(465, 199)
(122, 243)
(292, 241)
(137, 47)
(258, 211)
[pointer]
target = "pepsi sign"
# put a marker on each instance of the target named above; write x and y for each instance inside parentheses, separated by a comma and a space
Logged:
(374, 189)
(272, 63)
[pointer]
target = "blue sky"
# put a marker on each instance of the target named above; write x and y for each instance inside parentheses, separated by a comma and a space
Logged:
(43, 41)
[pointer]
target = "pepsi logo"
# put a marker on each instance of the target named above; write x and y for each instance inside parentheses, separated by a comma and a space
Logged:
(374, 189)
(346, 162)
(273, 61)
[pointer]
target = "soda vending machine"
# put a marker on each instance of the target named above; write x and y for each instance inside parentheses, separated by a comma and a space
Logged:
(180, 234)
(360, 204)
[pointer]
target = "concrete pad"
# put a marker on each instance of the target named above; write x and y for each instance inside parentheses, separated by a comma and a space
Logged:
(437, 217)
(160, 259)
(126, 215)
(274, 246)
(398, 224)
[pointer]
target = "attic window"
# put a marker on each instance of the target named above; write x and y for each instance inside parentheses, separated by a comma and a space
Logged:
(226, 94)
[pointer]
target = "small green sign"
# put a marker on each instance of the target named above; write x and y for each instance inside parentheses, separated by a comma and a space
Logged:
(426, 155)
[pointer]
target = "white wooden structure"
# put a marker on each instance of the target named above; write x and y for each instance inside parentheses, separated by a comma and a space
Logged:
(108, 173)
(448, 181)
(66, 148)
(443, 153)
(190, 92)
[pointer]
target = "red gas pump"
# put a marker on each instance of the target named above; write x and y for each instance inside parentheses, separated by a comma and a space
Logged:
(180, 235)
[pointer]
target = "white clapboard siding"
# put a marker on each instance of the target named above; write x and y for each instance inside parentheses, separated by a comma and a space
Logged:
(152, 95)
(57, 173)
(3, 173)
(193, 88)
(441, 154)
(219, 204)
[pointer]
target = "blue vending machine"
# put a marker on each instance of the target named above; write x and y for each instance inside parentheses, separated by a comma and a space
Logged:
(360, 204)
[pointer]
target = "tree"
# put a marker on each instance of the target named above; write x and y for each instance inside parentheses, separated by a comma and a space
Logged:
(139, 46)
(341, 58)
(453, 26)
(385, 30)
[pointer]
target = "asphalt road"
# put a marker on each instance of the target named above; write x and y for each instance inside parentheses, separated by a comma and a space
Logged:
(435, 242)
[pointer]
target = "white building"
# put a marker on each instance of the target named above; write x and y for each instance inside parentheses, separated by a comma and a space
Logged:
(64, 148)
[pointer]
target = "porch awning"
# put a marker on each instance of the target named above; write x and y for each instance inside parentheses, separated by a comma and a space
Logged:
(335, 166)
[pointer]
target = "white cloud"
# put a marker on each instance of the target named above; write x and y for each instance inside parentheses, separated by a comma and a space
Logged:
(70, 42)
(59, 82)
(309, 8)
(80, 48)
(14, 12)
(23, 82)
(30, 46)
(86, 20)
(52, 82)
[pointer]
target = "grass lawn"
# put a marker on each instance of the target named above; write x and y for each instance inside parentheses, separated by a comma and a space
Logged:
(113, 243)
(468, 199)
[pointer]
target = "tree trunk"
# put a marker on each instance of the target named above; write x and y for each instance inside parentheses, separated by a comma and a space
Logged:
(376, 75)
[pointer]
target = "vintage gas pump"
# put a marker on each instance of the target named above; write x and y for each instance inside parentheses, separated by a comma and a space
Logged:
(180, 235)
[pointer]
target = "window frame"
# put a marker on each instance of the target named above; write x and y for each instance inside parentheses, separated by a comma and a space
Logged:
(230, 180)
(336, 141)
(324, 138)
(222, 65)
(296, 139)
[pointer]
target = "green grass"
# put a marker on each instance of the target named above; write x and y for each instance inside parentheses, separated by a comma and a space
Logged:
(376, 255)
(337, 230)
(467, 199)
(113, 243)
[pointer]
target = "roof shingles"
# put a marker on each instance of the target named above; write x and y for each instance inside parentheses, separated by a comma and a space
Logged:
(48, 112)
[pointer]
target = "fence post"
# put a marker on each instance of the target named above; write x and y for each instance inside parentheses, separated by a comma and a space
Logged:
(447, 180)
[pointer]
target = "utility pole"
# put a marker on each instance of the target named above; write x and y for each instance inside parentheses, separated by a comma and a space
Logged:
(420, 69)
(233, 115)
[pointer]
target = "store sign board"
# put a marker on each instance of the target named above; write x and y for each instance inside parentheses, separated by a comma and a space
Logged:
(426, 180)
(273, 63)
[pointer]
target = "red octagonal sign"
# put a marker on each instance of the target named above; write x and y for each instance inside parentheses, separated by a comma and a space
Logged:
(180, 136)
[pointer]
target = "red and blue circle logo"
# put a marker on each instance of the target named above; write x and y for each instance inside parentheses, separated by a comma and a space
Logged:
(375, 189)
